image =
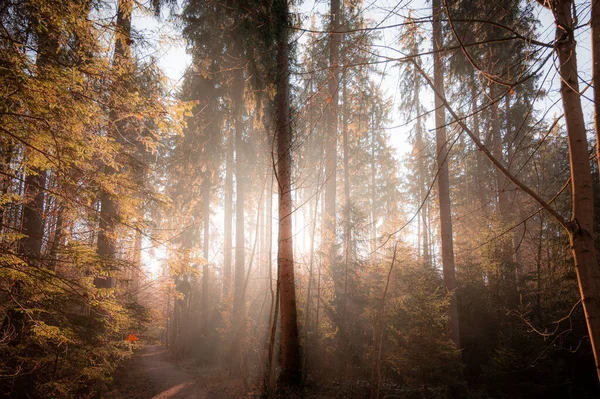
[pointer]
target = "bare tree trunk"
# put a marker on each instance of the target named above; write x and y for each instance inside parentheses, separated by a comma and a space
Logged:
(595, 25)
(291, 373)
(240, 242)
(206, 240)
(582, 223)
(313, 230)
(227, 224)
(268, 378)
(137, 260)
(329, 222)
(373, 192)
(33, 222)
(443, 178)
(59, 236)
(422, 174)
(480, 175)
(269, 231)
(507, 286)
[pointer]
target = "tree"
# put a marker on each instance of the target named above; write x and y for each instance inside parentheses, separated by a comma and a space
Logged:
(331, 137)
(443, 149)
(290, 347)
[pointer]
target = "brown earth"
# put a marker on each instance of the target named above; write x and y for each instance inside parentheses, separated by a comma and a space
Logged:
(153, 373)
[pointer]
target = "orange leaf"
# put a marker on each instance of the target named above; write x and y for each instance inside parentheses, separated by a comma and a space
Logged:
(132, 338)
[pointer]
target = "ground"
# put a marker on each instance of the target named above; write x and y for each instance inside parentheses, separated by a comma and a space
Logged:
(153, 373)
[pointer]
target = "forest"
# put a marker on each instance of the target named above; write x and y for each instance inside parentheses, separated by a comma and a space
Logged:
(299, 199)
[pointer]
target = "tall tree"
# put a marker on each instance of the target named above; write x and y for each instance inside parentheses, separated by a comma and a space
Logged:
(443, 149)
(290, 346)
(331, 135)
(595, 25)
(581, 227)
(106, 248)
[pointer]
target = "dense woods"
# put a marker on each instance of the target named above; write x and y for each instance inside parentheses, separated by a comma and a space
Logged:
(327, 199)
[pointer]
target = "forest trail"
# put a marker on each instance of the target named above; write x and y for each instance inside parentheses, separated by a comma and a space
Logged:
(152, 373)
(171, 381)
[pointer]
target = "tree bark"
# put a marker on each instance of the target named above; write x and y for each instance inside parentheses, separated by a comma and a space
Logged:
(480, 173)
(32, 226)
(205, 243)
(228, 222)
(240, 242)
(443, 177)
(595, 25)
(329, 222)
(582, 222)
(290, 348)
(33, 221)
(422, 172)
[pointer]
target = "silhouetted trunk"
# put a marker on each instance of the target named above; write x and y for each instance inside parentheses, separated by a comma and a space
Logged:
(309, 293)
(106, 247)
(7, 152)
(422, 173)
(506, 289)
(33, 221)
(32, 226)
(480, 172)
(269, 231)
(373, 210)
(228, 222)
(238, 301)
(443, 178)
(290, 348)
(347, 227)
(206, 188)
(137, 260)
(59, 236)
(329, 222)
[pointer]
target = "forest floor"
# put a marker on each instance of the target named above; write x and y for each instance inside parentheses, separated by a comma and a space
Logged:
(154, 373)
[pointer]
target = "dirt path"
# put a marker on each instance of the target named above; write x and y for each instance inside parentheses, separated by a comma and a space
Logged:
(152, 373)
(172, 382)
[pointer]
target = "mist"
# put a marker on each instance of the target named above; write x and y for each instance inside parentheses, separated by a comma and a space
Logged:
(318, 200)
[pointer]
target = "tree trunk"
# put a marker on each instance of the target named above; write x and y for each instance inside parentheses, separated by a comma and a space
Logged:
(329, 222)
(32, 226)
(373, 191)
(206, 240)
(5, 180)
(240, 250)
(33, 221)
(422, 173)
(443, 178)
(595, 25)
(106, 248)
(582, 223)
(290, 348)
(313, 230)
(507, 286)
(480, 173)
(228, 222)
